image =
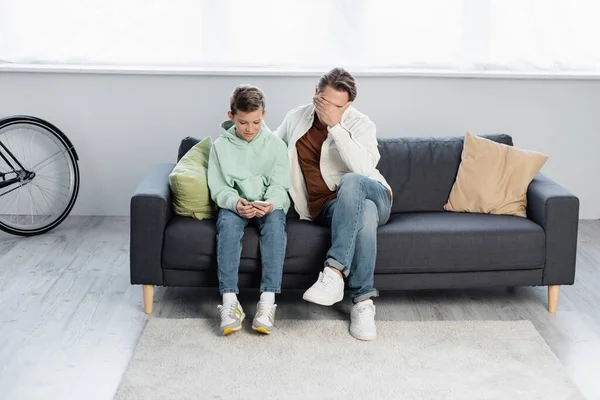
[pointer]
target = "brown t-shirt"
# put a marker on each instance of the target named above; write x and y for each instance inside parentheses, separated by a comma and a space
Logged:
(309, 156)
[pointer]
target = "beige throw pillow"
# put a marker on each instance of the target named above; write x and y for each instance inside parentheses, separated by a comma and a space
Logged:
(493, 178)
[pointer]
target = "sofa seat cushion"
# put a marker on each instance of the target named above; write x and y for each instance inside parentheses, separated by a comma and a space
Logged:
(454, 242)
(409, 243)
(191, 244)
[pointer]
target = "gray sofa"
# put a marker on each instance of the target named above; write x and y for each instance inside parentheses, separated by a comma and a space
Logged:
(422, 246)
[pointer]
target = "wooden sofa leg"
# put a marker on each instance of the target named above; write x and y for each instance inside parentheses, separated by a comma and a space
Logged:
(148, 298)
(553, 292)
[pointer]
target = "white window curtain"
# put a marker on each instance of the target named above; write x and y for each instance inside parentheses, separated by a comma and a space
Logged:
(448, 35)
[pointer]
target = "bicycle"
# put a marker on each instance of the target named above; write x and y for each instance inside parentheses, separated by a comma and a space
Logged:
(39, 175)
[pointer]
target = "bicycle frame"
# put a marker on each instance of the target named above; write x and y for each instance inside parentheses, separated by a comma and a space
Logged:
(4, 154)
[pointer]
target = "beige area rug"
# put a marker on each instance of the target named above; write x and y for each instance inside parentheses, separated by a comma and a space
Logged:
(186, 359)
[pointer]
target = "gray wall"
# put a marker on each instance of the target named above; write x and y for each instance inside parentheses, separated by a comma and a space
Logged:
(122, 124)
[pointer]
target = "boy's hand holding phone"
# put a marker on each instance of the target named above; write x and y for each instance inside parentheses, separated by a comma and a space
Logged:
(262, 208)
(245, 209)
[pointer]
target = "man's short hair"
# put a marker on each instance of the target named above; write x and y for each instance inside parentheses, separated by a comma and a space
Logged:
(340, 80)
(247, 98)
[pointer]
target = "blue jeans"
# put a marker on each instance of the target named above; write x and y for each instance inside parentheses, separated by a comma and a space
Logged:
(362, 204)
(273, 240)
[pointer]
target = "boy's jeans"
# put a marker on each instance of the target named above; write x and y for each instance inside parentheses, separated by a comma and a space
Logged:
(362, 204)
(273, 240)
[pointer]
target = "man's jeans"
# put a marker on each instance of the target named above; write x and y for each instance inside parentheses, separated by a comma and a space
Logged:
(273, 239)
(362, 204)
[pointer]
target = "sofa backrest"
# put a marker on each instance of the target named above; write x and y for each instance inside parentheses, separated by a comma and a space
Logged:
(186, 144)
(422, 170)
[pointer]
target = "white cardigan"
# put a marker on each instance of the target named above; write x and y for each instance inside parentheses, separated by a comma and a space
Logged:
(351, 146)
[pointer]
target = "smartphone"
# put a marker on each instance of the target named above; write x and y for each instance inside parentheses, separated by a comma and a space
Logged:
(261, 203)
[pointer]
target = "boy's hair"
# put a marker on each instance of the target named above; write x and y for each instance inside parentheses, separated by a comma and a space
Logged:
(340, 80)
(247, 98)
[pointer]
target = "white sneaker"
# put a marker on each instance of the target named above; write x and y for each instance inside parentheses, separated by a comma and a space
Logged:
(327, 290)
(362, 321)
(232, 316)
(264, 319)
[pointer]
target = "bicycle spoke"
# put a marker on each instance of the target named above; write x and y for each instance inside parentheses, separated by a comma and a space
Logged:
(30, 147)
(35, 204)
(43, 214)
(39, 187)
(8, 191)
(50, 177)
(53, 181)
(8, 142)
(50, 212)
(54, 191)
(47, 172)
(46, 163)
(11, 203)
(52, 156)
(17, 199)
(23, 154)
(30, 203)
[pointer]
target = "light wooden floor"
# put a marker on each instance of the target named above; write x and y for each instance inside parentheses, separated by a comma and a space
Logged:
(70, 320)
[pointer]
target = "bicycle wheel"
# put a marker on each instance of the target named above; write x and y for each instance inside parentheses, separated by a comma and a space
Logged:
(39, 176)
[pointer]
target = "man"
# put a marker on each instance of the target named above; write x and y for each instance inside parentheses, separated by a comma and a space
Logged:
(333, 155)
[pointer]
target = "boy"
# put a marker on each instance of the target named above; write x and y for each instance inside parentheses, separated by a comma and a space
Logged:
(249, 164)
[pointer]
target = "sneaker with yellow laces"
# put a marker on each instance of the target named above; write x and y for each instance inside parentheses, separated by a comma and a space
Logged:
(232, 316)
(264, 319)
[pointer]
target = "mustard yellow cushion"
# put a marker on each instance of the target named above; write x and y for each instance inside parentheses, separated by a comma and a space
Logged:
(493, 178)
(189, 185)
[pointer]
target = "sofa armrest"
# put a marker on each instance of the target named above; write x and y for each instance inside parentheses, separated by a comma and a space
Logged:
(149, 214)
(557, 211)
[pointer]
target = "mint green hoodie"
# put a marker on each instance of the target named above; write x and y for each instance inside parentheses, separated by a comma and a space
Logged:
(258, 170)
